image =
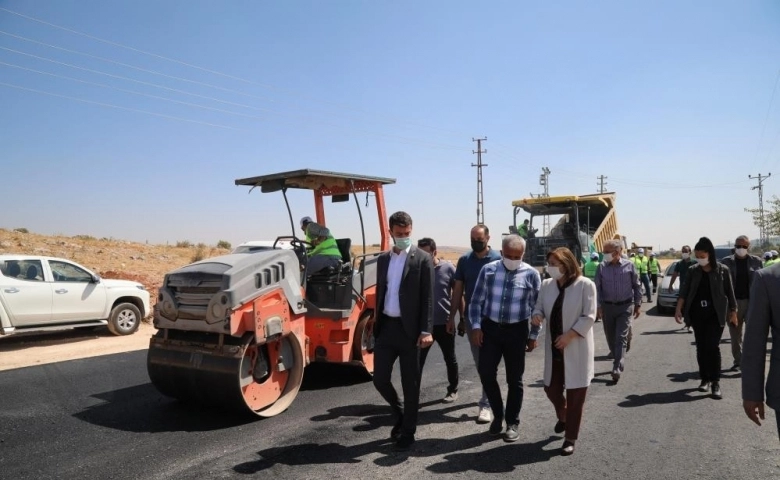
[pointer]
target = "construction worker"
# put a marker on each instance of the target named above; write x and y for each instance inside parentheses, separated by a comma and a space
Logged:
(325, 253)
(767, 259)
(589, 270)
(654, 267)
(525, 229)
(775, 258)
(641, 264)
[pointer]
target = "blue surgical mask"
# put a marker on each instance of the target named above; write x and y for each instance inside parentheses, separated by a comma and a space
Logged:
(402, 243)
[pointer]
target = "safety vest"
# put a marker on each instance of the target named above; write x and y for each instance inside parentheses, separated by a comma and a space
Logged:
(590, 269)
(328, 248)
(522, 230)
(640, 264)
(654, 266)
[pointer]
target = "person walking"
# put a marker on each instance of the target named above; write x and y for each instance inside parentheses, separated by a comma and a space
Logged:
(589, 270)
(567, 301)
(466, 273)
(442, 295)
(654, 267)
(500, 311)
(404, 302)
(764, 315)
(681, 270)
(742, 267)
(618, 297)
(641, 264)
(707, 297)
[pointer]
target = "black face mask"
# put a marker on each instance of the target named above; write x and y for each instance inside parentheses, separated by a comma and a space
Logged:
(478, 246)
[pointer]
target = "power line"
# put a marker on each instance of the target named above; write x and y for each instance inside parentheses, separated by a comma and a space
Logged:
(479, 165)
(766, 119)
(109, 105)
(398, 138)
(215, 72)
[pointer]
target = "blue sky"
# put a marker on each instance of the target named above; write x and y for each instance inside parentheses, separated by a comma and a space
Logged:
(673, 102)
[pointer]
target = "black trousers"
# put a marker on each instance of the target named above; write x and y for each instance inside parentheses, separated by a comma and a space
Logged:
(654, 280)
(507, 343)
(446, 342)
(393, 344)
(707, 331)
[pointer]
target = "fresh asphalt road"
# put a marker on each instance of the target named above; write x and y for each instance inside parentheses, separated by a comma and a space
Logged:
(101, 418)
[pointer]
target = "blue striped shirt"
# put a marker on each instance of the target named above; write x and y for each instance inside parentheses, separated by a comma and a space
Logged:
(505, 296)
(618, 282)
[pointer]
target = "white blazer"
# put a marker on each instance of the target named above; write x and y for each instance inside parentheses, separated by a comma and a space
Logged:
(579, 314)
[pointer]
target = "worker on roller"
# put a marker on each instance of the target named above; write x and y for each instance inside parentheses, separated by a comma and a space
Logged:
(325, 252)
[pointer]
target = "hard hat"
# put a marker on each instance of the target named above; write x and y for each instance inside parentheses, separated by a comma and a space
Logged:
(652, 254)
(767, 254)
(594, 256)
(641, 250)
(774, 253)
(306, 220)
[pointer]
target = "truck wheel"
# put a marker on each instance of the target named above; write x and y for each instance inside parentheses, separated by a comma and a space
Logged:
(125, 319)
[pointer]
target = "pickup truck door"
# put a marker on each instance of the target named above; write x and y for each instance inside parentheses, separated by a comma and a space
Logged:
(76, 296)
(26, 296)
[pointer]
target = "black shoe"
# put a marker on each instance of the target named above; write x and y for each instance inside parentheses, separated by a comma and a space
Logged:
(704, 386)
(560, 427)
(567, 449)
(511, 434)
(716, 391)
(404, 442)
(735, 367)
(396, 431)
(496, 426)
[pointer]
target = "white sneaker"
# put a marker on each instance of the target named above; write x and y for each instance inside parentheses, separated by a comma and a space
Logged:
(485, 415)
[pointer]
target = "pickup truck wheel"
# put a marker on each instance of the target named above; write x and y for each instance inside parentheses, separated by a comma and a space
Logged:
(125, 319)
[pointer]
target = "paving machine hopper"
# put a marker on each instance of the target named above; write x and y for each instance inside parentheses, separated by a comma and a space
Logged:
(237, 331)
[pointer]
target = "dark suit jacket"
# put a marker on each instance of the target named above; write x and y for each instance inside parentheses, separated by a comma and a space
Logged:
(763, 314)
(415, 294)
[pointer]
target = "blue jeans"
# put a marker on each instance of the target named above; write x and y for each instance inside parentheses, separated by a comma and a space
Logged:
(645, 279)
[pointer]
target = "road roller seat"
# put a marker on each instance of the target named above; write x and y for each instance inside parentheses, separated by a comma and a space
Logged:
(332, 287)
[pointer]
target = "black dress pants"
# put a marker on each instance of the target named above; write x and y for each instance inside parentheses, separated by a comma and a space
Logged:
(447, 343)
(393, 344)
(707, 331)
(507, 342)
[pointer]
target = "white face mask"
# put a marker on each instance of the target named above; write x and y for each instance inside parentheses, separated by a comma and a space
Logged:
(555, 272)
(741, 252)
(512, 264)
(686, 256)
(703, 261)
(607, 257)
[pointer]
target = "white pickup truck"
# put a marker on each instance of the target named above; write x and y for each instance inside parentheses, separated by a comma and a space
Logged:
(44, 293)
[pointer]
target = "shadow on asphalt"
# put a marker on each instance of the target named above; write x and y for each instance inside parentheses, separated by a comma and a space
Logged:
(662, 398)
(683, 377)
(322, 376)
(143, 409)
(667, 332)
(501, 459)
(378, 416)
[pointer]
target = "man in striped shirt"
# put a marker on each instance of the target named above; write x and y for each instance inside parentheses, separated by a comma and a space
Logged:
(504, 297)
(619, 296)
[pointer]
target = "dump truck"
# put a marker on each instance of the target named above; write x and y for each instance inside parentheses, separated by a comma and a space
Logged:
(584, 223)
(237, 331)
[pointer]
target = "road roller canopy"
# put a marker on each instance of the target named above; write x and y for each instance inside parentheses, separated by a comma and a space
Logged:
(324, 182)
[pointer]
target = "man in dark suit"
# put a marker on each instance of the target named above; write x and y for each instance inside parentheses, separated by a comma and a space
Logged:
(404, 322)
(763, 314)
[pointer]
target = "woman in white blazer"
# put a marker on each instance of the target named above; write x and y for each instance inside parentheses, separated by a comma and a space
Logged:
(567, 304)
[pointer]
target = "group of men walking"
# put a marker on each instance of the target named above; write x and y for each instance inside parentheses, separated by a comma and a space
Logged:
(419, 296)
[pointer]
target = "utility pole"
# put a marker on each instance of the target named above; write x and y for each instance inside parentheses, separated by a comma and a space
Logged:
(479, 165)
(602, 183)
(760, 188)
(544, 180)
